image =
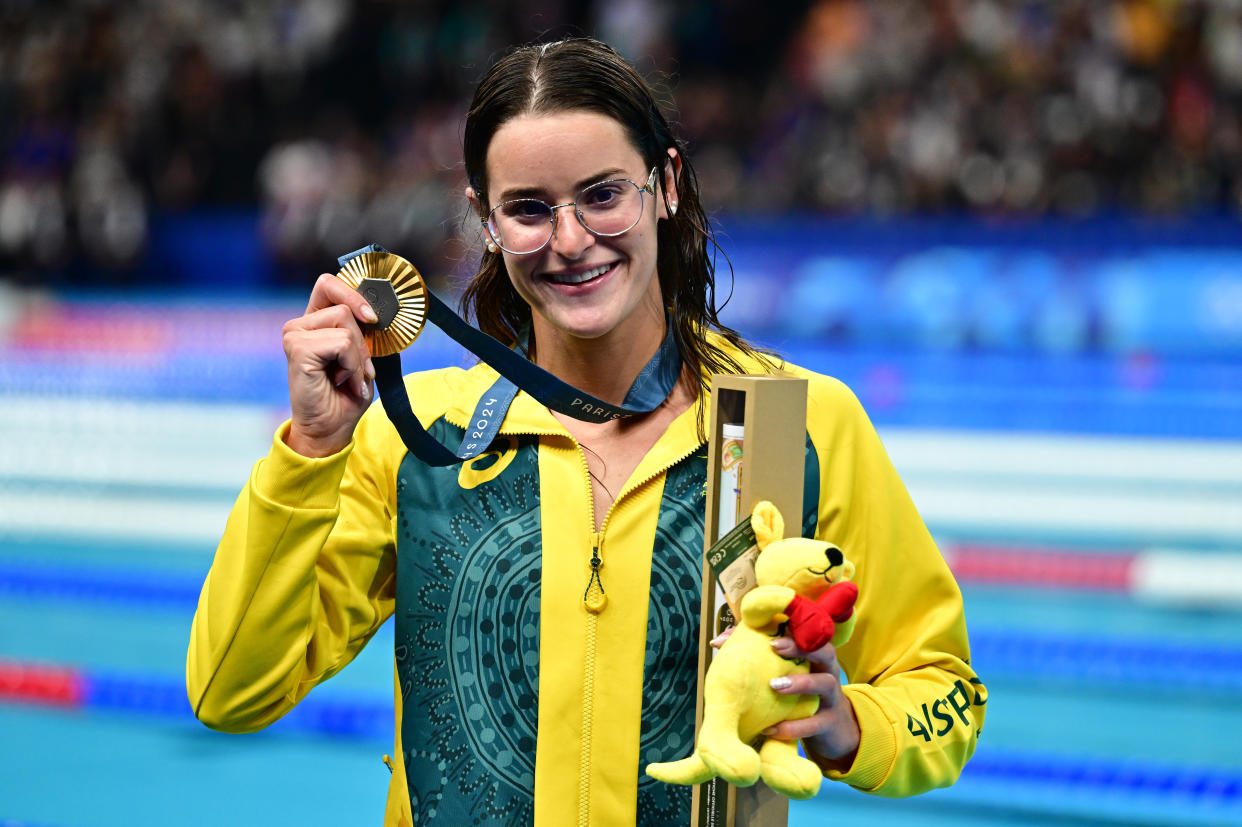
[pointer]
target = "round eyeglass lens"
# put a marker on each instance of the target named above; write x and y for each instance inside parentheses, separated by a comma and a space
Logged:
(521, 226)
(610, 207)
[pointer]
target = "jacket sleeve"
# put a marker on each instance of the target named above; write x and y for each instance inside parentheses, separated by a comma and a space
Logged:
(303, 577)
(919, 704)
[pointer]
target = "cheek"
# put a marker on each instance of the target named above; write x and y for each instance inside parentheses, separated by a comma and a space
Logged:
(518, 275)
(644, 247)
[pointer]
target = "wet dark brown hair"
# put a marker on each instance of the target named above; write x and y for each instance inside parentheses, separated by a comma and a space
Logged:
(582, 74)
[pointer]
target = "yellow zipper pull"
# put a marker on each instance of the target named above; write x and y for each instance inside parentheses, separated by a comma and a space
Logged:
(594, 596)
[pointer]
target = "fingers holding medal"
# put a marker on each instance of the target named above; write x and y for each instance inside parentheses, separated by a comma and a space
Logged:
(375, 306)
(330, 369)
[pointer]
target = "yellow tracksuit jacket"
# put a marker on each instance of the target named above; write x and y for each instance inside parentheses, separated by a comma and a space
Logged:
(514, 704)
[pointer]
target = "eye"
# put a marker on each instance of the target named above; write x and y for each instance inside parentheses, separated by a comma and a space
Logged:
(526, 210)
(603, 195)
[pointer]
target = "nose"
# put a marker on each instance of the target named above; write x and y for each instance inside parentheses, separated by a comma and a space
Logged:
(835, 558)
(569, 238)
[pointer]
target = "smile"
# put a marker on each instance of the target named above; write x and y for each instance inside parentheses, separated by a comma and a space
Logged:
(578, 278)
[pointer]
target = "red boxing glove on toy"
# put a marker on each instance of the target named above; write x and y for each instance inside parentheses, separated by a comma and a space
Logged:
(813, 622)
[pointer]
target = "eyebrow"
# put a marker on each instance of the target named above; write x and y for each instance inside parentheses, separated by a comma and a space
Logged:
(537, 192)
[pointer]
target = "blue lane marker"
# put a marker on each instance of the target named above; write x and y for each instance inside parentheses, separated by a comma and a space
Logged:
(133, 693)
(1067, 658)
(1207, 785)
(340, 714)
(90, 585)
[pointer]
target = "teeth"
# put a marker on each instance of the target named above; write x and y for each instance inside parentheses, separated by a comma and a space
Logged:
(578, 278)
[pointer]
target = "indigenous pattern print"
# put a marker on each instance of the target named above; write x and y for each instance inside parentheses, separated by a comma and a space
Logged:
(467, 636)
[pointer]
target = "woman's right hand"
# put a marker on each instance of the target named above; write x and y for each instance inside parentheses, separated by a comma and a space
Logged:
(330, 370)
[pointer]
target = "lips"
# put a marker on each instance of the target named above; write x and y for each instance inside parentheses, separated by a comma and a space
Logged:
(579, 277)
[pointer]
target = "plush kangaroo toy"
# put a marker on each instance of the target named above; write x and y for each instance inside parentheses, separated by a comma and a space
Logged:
(800, 582)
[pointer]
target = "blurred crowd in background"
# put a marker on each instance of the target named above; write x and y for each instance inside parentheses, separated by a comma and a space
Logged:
(340, 122)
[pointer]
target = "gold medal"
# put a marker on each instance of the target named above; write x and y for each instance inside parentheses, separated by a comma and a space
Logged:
(396, 292)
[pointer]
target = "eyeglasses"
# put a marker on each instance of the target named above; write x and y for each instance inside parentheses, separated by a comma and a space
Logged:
(606, 208)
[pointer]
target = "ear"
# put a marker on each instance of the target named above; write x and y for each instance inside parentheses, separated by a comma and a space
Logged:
(671, 175)
(767, 523)
(473, 198)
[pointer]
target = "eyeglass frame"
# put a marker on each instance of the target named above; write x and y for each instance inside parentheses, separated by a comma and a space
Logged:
(555, 208)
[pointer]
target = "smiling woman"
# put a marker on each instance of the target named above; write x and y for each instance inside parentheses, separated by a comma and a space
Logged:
(546, 603)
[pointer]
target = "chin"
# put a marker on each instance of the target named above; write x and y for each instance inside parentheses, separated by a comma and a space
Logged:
(580, 322)
(584, 330)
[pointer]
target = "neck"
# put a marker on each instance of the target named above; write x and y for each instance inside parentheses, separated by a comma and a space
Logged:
(605, 366)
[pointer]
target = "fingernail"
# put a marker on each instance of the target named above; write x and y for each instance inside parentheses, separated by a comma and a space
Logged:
(770, 731)
(369, 369)
(719, 640)
(369, 314)
(781, 683)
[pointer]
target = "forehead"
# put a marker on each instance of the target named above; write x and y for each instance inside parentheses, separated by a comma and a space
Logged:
(558, 151)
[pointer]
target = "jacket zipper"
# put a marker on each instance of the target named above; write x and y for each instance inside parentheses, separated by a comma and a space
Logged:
(595, 598)
(588, 692)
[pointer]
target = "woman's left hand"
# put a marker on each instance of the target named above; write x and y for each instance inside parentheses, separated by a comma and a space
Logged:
(831, 733)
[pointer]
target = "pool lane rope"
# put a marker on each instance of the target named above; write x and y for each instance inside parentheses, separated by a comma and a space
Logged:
(51, 685)
(66, 687)
(1195, 578)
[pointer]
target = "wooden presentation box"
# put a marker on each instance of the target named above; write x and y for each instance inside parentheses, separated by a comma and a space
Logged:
(772, 411)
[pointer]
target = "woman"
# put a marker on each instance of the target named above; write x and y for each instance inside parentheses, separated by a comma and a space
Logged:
(546, 592)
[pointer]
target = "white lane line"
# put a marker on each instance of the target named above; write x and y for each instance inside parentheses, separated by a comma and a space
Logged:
(110, 517)
(1063, 456)
(1033, 510)
(1188, 578)
(105, 441)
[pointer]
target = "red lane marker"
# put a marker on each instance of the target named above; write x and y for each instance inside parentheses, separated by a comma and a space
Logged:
(35, 683)
(65, 330)
(1036, 567)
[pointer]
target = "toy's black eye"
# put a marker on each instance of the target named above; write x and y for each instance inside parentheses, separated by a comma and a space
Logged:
(834, 555)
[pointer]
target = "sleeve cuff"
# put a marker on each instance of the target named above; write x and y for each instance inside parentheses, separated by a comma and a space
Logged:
(286, 477)
(877, 747)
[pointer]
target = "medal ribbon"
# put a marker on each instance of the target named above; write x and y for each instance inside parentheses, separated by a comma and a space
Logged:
(651, 387)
